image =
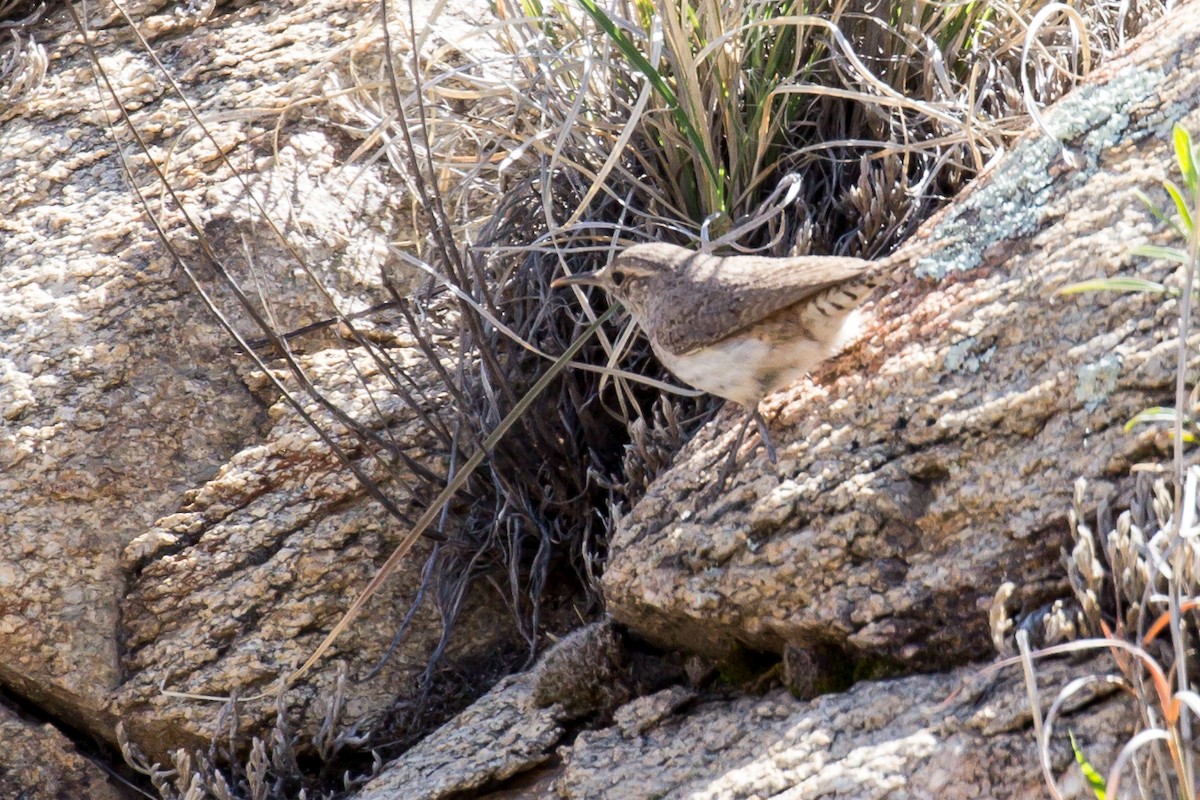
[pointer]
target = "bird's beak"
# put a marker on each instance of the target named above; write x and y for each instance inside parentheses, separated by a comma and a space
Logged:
(578, 279)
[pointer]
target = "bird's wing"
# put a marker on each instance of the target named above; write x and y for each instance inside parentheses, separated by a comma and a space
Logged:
(728, 297)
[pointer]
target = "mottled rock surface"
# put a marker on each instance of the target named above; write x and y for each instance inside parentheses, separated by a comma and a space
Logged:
(170, 531)
(37, 762)
(920, 737)
(243, 582)
(500, 735)
(953, 736)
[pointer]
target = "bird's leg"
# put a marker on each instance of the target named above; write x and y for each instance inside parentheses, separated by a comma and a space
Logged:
(762, 433)
(731, 462)
(730, 465)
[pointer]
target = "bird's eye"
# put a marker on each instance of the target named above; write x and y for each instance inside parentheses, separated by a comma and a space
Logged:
(617, 278)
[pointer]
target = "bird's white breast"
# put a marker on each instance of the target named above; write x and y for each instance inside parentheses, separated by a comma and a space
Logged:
(744, 368)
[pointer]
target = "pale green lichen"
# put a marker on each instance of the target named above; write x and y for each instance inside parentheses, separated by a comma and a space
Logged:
(1012, 201)
(961, 356)
(1095, 382)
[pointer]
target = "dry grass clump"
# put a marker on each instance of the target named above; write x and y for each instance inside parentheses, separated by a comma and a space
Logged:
(22, 59)
(1135, 579)
(679, 121)
(263, 768)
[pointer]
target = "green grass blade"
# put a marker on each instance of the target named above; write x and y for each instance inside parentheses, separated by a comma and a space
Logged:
(1114, 285)
(1094, 779)
(1185, 155)
(1164, 414)
(1157, 212)
(1160, 253)
(634, 56)
(1185, 215)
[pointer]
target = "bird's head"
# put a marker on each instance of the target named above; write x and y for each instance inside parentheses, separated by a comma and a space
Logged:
(635, 276)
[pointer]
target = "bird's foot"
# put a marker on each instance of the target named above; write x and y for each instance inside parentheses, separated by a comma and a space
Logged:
(731, 461)
(766, 437)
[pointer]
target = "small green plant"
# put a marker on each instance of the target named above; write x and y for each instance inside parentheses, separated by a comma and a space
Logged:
(1094, 779)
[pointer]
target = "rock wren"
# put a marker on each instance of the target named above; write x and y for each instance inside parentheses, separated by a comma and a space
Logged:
(741, 327)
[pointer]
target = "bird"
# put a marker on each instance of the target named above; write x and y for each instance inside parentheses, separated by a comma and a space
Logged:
(741, 327)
